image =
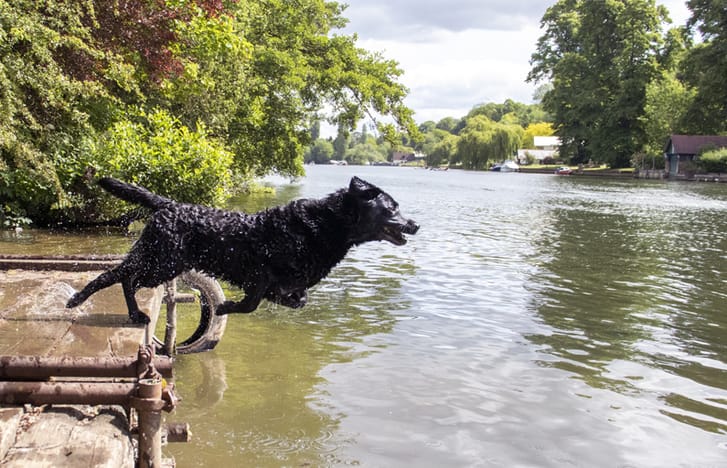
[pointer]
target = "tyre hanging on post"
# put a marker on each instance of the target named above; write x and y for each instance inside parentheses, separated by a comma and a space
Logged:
(211, 327)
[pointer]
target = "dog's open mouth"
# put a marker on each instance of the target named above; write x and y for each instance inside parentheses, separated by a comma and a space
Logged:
(394, 233)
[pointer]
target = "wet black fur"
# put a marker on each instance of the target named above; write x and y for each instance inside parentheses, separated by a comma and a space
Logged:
(276, 254)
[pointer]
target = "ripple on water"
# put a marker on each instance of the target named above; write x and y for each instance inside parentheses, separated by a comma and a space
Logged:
(532, 321)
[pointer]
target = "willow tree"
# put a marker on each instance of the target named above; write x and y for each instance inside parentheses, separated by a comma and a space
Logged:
(600, 56)
(483, 140)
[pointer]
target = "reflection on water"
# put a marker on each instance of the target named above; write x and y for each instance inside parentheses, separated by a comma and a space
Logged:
(268, 368)
(632, 291)
(534, 321)
(43, 242)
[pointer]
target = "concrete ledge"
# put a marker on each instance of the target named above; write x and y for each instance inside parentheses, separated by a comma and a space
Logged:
(70, 436)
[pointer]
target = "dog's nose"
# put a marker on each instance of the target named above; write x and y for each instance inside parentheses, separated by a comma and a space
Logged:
(411, 227)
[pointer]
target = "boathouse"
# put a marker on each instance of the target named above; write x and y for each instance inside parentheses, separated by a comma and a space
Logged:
(681, 150)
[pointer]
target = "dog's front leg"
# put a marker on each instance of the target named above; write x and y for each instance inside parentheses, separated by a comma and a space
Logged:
(136, 315)
(245, 306)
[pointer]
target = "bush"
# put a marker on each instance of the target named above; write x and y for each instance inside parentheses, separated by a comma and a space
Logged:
(713, 161)
(159, 153)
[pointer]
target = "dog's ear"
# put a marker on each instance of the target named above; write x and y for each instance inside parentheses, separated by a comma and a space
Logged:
(363, 189)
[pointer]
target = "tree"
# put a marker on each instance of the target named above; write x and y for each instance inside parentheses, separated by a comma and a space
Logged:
(431, 139)
(667, 101)
(599, 56)
(536, 129)
(315, 130)
(340, 143)
(705, 68)
(364, 153)
(516, 112)
(320, 153)
(443, 152)
(254, 75)
(448, 124)
(541, 91)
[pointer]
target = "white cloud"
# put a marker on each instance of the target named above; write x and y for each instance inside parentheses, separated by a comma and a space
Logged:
(458, 53)
(415, 20)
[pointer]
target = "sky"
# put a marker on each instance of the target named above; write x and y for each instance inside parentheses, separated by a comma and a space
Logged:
(458, 53)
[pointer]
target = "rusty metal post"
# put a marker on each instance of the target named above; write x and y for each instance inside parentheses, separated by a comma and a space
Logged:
(170, 334)
(149, 405)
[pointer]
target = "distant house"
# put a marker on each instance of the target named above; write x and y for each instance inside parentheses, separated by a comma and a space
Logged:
(545, 147)
(401, 157)
(546, 142)
(681, 150)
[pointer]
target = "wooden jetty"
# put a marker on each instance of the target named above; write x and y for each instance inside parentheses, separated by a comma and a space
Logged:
(74, 381)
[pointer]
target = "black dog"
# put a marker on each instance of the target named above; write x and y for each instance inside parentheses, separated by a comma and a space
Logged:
(275, 254)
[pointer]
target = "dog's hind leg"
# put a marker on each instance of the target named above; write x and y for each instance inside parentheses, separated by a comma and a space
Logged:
(104, 280)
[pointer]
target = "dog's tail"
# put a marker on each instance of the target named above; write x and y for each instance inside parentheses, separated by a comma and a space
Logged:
(133, 193)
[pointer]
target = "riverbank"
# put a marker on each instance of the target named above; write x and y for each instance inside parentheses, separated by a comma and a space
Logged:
(625, 173)
(598, 172)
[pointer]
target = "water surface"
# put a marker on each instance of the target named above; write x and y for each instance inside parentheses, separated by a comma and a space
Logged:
(534, 321)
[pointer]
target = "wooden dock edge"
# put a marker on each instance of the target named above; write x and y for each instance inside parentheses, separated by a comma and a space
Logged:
(78, 434)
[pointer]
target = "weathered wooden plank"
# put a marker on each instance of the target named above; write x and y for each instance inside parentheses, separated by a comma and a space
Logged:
(35, 322)
(59, 262)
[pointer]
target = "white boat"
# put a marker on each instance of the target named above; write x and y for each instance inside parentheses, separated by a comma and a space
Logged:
(509, 166)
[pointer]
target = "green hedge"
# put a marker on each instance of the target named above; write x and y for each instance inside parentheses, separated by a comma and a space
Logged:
(713, 161)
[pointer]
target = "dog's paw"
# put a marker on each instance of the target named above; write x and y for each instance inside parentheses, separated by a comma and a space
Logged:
(74, 301)
(294, 300)
(138, 317)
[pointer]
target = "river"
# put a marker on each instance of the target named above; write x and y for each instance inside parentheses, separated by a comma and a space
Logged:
(534, 321)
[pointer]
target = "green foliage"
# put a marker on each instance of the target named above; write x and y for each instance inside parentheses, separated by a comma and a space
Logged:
(667, 101)
(320, 153)
(430, 139)
(511, 112)
(249, 76)
(340, 143)
(705, 68)
(448, 124)
(298, 64)
(713, 161)
(156, 151)
(46, 109)
(443, 152)
(536, 129)
(365, 153)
